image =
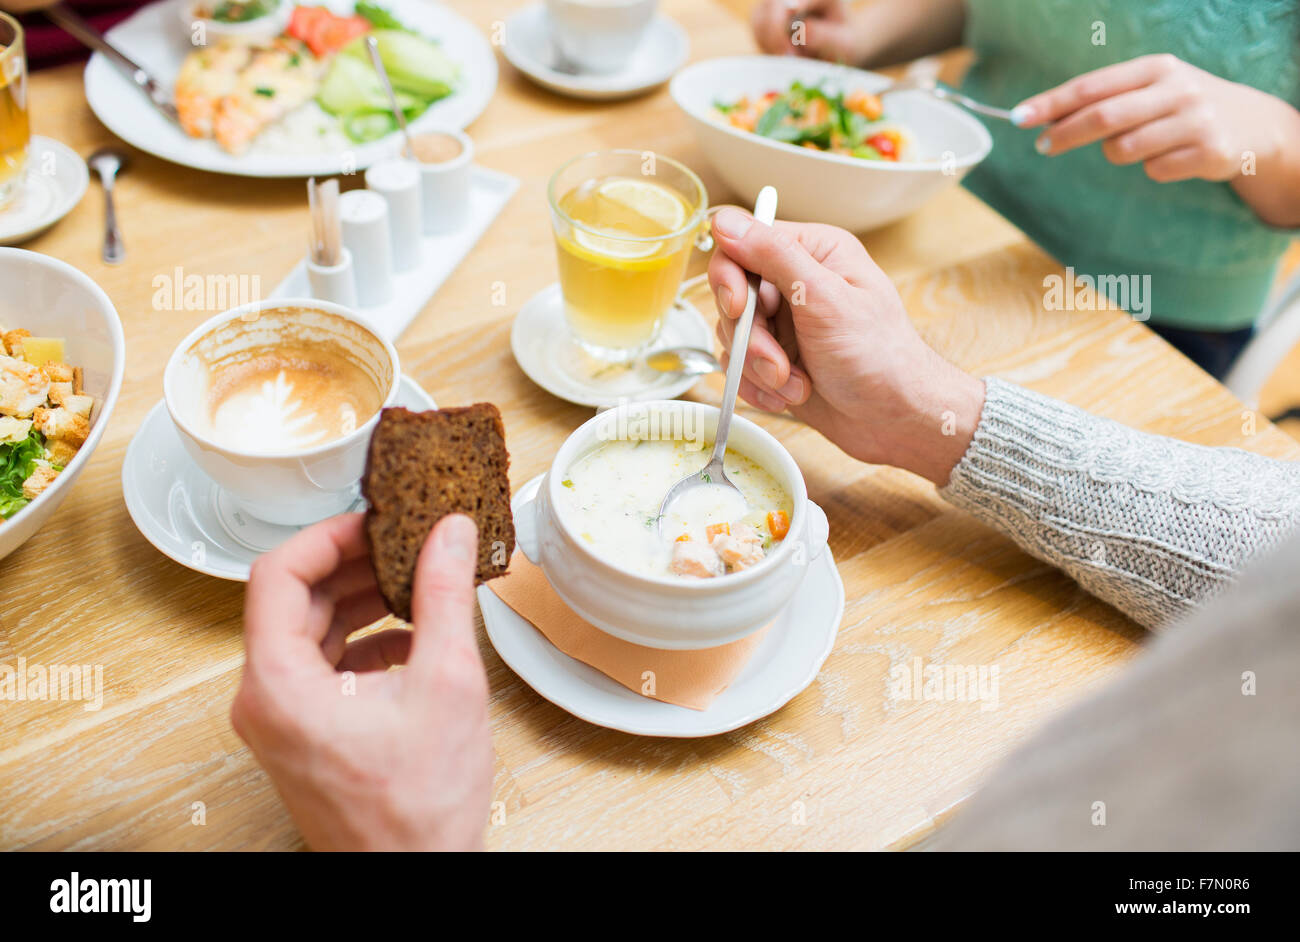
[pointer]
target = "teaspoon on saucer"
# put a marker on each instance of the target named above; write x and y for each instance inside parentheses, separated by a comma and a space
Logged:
(688, 361)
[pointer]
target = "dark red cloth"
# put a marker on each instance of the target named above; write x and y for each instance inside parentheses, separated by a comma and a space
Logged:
(48, 45)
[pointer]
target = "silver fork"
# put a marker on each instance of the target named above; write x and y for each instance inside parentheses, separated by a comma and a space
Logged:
(930, 86)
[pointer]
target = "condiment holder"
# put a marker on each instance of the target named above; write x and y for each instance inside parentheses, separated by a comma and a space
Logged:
(386, 248)
(444, 179)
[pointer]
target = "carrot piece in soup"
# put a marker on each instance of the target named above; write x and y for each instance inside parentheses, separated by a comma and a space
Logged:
(778, 523)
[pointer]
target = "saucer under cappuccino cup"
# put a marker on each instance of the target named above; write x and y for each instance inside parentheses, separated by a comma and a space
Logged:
(598, 36)
(275, 401)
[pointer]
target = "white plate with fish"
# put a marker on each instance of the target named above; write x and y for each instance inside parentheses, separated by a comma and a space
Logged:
(263, 114)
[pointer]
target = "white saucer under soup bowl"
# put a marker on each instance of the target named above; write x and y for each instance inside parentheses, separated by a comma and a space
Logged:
(670, 612)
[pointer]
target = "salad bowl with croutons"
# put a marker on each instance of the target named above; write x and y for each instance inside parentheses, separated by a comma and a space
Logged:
(61, 368)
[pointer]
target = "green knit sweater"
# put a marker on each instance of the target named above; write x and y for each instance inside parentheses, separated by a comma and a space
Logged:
(1211, 261)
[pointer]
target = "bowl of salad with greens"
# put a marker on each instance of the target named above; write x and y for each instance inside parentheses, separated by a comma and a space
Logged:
(62, 358)
(207, 21)
(840, 152)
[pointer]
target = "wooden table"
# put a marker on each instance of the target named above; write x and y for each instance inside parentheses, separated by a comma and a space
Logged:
(922, 579)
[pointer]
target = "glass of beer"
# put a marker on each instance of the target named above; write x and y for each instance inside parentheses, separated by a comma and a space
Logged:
(14, 129)
(625, 223)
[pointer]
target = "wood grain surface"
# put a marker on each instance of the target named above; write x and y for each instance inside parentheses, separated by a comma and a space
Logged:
(843, 765)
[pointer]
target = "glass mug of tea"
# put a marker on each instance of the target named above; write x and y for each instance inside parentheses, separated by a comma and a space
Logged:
(626, 222)
(15, 133)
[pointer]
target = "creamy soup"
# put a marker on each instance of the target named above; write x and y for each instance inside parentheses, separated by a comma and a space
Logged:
(610, 497)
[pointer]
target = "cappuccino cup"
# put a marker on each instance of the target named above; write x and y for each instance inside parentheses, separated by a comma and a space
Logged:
(598, 35)
(275, 402)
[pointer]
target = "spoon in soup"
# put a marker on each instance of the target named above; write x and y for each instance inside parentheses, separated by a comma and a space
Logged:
(713, 474)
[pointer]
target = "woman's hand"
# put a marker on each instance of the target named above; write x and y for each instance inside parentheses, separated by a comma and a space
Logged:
(832, 343)
(366, 758)
(877, 33)
(819, 28)
(1180, 123)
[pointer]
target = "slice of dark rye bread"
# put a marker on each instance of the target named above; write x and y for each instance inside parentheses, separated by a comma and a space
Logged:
(422, 466)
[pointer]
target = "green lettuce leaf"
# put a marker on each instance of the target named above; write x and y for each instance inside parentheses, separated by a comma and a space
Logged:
(380, 18)
(17, 462)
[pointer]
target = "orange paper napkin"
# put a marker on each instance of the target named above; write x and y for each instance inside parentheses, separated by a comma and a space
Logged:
(686, 678)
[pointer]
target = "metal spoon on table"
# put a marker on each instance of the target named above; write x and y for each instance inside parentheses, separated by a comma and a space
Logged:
(106, 163)
(372, 47)
(713, 473)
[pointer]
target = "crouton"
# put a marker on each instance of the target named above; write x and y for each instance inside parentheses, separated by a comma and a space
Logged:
(57, 372)
(61, 423)
(39, 480)
(13, 341)
(60, 452)
(59, 391)
(79, 405)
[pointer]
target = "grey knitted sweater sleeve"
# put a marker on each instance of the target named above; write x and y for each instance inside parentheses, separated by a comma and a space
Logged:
(1152, 525)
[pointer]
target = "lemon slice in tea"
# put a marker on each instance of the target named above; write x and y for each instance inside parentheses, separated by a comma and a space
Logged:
(627, 206)
(660, 207)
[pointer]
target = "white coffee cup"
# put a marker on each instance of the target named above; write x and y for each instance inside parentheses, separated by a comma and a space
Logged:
(598, 35)
(258, 462)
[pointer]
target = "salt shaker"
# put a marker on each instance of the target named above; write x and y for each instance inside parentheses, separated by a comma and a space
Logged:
(364, 217)
(398, 182)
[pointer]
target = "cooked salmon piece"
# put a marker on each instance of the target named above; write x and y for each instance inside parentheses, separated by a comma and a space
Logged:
(278, 79)
(691, 558)
(740, 548)
(208, 75)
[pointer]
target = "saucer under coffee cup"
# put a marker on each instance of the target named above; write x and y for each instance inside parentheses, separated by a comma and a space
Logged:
(598, 36)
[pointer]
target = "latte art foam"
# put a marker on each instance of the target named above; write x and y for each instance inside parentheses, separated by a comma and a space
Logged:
(283, 400)
(279, 381)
